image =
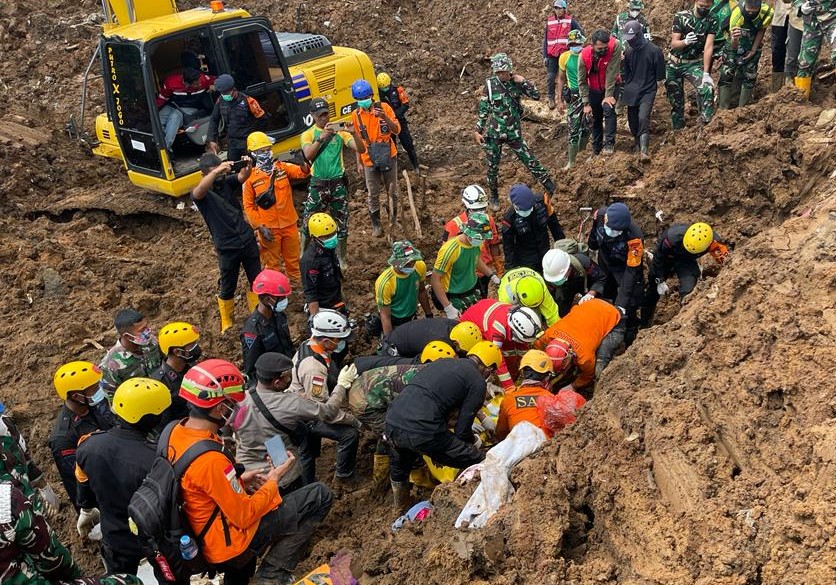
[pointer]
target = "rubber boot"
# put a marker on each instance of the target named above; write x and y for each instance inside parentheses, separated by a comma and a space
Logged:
(777, 81)
(227, 310)
(549, 187)
(413, 159)
(380, 468)
(342, 254)
(401, 496)
(570, 159)
(551, 103)
(252, 301)
(644, 147)
(724, 97)
(421, 477)
(804, 83)
(745, 95)
(376, 231)
(494, 200)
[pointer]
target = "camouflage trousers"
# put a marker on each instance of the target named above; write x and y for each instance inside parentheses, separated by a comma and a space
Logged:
(822, 28)
(109, 580)
(330, 197)
(493, 154)
(464, 301)
(746, 73)
(675, 75)
(576, 126)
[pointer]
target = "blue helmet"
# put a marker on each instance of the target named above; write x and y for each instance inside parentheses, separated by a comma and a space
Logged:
(361, 89)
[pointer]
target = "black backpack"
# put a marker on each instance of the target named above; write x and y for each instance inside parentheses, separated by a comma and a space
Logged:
(156, 509)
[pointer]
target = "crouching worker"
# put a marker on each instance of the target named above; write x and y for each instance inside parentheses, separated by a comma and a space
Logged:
(240, 515)
(416, 423)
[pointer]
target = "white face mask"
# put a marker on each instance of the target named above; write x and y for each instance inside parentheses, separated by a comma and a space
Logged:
(524, 213)
(280, 306)
(633, 13)
(612, 233)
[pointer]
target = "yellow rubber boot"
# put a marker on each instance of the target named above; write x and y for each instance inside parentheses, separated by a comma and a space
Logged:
(804, 83)
(252, 301)
(421, 477)
(380, 469)
(227, 310)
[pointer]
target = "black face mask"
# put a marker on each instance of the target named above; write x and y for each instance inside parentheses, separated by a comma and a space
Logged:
(636, 41)
(702, 12)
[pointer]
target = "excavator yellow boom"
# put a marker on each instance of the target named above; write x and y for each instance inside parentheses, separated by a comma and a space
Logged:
(121, 12)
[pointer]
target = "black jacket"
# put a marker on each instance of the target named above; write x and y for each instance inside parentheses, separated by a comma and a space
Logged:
(525, 240)
(321, 277)
(393, 98)
(408, 340)
(261, 335)
(238, 120)
(440, 388)
(613, 254)
(669, 251)
(644, 67)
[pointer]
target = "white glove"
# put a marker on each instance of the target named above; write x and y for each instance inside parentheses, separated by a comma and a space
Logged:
(477, 428)
(87, 519)
(489, 424)
(691, 38)
(451, 312)
(495, 280)
(586, 297)
(49, 499)
(808, 7)
(478, 442)
(347, 376)
(706, 78)
(96, 533)
(621, 310)
(662, 288)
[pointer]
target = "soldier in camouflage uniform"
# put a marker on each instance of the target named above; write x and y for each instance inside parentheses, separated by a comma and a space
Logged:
(747, 25)
(819, 25)
(31, 551)
(374, 390)
(690, 56)
(135, 355)
(633, 12)
(722, 9)
(17, 466)
(500, 113)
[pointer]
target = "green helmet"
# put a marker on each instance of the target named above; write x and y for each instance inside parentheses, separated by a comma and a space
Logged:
(403, 252)
(501, 62)
(636, 5)
(576, 37)
(478, 226)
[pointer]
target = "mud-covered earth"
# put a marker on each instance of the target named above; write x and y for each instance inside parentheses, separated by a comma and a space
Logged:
(708, 454)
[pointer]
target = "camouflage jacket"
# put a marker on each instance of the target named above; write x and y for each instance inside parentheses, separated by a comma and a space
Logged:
(684, 22)
(375, 389)
(500, 110)
(119, 365)
(16, 466)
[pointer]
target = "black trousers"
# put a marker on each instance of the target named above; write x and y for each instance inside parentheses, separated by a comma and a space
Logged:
(638, 118)
(230, 263)
(603, 122)
(347, 438)
(688, 273)
(779, 46)
(408, 145)
(116, 561)
(443, 448)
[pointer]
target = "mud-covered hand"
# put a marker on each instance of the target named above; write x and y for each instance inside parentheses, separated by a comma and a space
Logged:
(718, 251)
(347, 376)
(451, 312)
(87, 518)
(50, 499)
(691, 38)
(587, 297)
(662, 288)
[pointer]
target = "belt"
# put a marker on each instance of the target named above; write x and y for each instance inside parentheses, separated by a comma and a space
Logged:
(327, 183)
(679, 61)
(461, 295)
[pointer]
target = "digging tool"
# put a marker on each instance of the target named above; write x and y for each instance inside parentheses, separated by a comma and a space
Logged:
(412, 205)
(587, 215)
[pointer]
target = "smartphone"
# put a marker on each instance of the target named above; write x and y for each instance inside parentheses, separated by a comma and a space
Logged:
(276, 450)
(337, 126)
(238, 165)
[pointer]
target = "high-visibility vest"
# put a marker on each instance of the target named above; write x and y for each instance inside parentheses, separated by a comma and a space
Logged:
(557, 34)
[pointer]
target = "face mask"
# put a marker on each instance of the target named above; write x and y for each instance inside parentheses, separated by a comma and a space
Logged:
(611, 233)
(227, 97)
(191, 355)
(365, 104)
(97, 397)
(474, 242)
(523, 213)
(330, 243)
(340, 346)
(143, 339)
(576, 49)
(635, 41)
(280, 306)
(264, 160)
(560, 282)
(702, 12)
(230, 412)
(633, 13)
(600, 52)
(407, 270)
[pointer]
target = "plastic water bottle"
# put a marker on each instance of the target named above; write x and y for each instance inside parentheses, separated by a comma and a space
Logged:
(188, 547)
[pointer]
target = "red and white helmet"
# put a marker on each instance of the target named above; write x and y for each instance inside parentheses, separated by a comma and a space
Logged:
(211, 382)
(271, 282)
(562, 354)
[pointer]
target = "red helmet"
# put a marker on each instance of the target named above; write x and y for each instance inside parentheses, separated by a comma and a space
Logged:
(271, 282)
(211, 382)
(562, 354)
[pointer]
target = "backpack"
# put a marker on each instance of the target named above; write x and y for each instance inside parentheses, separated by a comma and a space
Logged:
(156, 509)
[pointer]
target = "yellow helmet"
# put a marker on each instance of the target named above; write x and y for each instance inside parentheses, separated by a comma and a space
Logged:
(487, 353)
(383, 80)
(258, 140)
(137, 397)
(698, 238)
(75, 377)
(537, 360)
(436, 350)
(466, 335)
(321, 225)
(530, 291)
(177, 334)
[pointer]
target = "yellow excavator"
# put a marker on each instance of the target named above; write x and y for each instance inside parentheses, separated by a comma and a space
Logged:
(143, 42)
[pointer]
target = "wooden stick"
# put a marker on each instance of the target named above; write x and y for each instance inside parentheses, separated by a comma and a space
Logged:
(412, 205)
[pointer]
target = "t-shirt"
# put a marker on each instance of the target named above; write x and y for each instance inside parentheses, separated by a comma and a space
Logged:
(684, 22)
(329, 162)
(568, 62)
(456, 262)
(399, 291)
(454, 228)
(221, 210)
(750, 27)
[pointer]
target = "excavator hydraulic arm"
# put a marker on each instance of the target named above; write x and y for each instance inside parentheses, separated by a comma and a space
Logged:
(121, 12)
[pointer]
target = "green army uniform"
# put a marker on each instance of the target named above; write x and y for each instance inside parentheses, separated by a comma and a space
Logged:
(735, 70)
(119, 365)
(687, 63)
(623, 18)
(374, 390)
(328, 189)
(500, 114)
(722, 9)
(18, 468)
(33, 552)
(820, 25)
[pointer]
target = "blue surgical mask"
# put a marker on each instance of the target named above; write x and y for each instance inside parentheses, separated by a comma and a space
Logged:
(406, 270)
(340, 346)
(97, 397)
(523, 212)
(142, 339)
(560, 282)
(280, 305)
(227, 97)
(576, 49)
(330, 243)
(474, 241)
(612, 233)
(365, 104)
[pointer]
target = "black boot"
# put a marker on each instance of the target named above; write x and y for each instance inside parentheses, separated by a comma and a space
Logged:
(549, 187)
(375, 216)
(494, 200)
(644, 147)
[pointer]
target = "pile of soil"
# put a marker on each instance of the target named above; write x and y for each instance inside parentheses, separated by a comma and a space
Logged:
(707, 455)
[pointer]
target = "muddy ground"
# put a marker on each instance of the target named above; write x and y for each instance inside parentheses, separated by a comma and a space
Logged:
(709, 452)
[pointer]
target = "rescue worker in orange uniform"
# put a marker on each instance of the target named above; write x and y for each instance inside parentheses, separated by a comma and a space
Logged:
(583, 343)
(520, 404)
(269, 206)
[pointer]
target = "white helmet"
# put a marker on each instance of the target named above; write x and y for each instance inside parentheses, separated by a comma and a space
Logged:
(556, 264)
(525, 324)
(330, 323)
(474, 197)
